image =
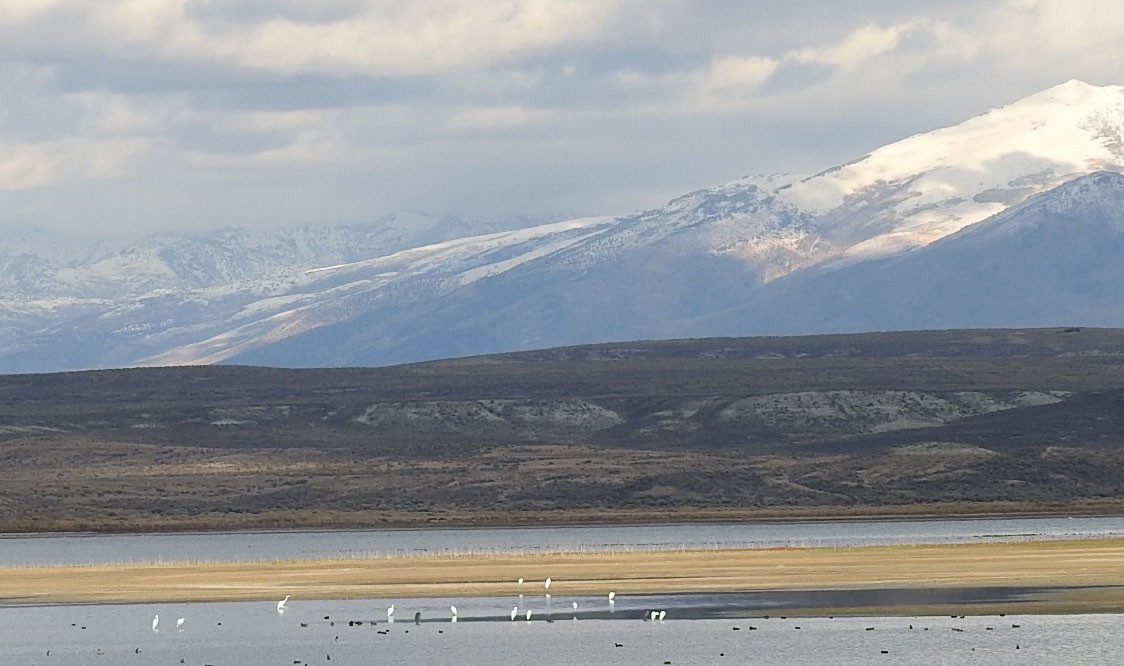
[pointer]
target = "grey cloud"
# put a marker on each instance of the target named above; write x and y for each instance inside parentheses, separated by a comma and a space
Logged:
(252, 11)
(218, 87)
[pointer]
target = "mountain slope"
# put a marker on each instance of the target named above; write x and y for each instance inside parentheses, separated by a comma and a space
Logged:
(780, 253)
(740, 259)
(1055, 260)
(933, 184)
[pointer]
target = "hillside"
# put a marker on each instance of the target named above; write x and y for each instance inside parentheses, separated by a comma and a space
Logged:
(1009, 219)
(944, 421)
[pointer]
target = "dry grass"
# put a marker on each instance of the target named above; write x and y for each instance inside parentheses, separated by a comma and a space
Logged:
(1050, 564)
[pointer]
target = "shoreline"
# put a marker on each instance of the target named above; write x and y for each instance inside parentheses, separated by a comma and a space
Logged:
(1085, 575)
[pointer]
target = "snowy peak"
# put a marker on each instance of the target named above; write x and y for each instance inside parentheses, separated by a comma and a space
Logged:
(912, 192)
(978, 224)
(1091, 205)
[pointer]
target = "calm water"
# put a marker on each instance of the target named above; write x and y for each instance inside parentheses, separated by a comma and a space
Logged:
(246, 634)
(699, 629)
(250, 546)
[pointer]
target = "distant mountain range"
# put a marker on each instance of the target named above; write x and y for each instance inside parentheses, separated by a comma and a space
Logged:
(1012, 218)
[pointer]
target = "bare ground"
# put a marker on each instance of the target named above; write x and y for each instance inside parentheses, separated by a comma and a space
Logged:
(1071, 576)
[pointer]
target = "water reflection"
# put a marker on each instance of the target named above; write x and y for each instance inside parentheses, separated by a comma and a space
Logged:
(355, 632)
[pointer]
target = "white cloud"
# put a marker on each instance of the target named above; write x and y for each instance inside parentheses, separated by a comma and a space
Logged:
(65, 161)
(18, 11)
(858, 47)
(498, 117)
(304, 111)
(115, 114)
(738, 72)
(371, 38)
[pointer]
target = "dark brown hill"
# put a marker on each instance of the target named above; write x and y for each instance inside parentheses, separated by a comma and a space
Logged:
(1026, 420)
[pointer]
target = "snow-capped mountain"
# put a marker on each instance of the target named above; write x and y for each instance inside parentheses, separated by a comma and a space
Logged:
(264, 259)
(1056, 259)
(850, 248)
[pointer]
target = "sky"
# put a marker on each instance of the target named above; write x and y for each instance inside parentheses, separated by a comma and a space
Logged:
(128, 117)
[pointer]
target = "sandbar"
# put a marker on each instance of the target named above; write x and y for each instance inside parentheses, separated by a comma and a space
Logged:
(1084, 575)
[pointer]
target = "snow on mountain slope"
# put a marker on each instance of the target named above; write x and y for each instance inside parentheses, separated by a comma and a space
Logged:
(715, 261)
(258, 260)
(1057, 259)
(334, 293)
(914, 191)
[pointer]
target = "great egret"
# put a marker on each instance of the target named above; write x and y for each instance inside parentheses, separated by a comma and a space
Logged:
(528, 614)
(453, 610)
(514, 612)
(612, 596)
(281, 604)
(546, 584)
(574, 605)
(662, 615)
(179, 624)
(156, 622)
(390, 614)
(519, 582)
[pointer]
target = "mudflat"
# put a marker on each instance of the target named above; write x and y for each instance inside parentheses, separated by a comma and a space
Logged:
(1067, 576)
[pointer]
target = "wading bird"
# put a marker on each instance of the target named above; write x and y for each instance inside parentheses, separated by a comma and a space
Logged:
(281, 604)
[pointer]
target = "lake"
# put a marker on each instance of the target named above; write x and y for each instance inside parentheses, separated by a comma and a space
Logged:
(698, 629)
(328, 632)
(23, 550)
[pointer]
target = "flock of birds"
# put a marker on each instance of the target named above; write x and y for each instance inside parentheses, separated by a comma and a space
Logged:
(652, 615)
(648, 615)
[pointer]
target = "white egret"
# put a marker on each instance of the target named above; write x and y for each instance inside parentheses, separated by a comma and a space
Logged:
(390, 614)
(663, 614)
(514, 612)
(453, 610)
(612, 596)
(528, 614)
(574, 605)
(281, 604)
(546, 584)
(179, 623)
(156, 622)
(519, 582)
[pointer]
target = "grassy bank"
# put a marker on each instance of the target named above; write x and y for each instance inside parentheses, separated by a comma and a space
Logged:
(1098, 564)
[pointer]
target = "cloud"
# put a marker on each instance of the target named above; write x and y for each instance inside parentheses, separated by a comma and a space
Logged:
(211, 112)
(374, 38)
(499, 117)
(858, 47)
(51, 163)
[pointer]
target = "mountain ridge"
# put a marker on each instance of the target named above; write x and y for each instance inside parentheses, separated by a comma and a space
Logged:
(720, 260)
